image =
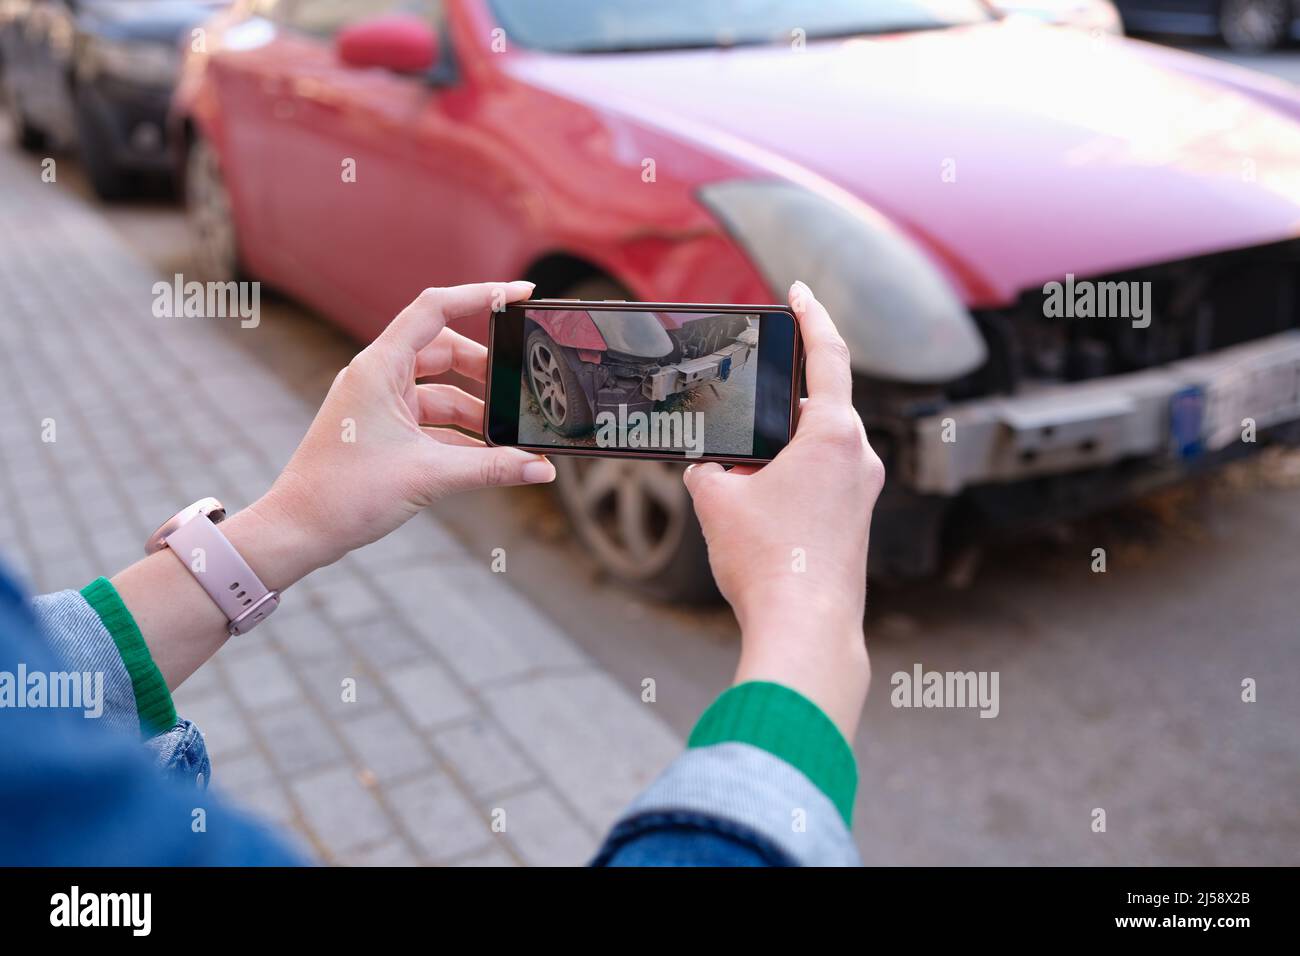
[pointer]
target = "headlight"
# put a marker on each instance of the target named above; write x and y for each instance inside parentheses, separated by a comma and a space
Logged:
(897, 313)
(140, 61)
(1101, 15)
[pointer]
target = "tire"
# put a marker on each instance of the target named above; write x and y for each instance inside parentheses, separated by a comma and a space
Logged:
(30, 138)
(555, 386)
(214, 246)
(635, 517)
(95, 149)
(1253, 26)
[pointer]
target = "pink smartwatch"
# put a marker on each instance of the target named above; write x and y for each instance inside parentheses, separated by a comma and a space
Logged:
(193, 536)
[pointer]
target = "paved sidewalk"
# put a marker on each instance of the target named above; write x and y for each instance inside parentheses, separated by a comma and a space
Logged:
(471, 706)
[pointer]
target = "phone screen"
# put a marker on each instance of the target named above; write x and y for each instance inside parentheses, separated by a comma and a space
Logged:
(643, 379)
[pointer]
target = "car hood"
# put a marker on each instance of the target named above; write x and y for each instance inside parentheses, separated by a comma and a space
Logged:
(161, 20)
(1012, 153)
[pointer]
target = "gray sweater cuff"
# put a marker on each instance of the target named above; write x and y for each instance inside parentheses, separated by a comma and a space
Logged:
(78, 637)
(751, 787)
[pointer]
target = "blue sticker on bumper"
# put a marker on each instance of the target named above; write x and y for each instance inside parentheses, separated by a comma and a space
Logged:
(1187, 422)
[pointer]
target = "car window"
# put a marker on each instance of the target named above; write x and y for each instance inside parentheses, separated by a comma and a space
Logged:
(326, 17)
(594, 26)
(269, 9)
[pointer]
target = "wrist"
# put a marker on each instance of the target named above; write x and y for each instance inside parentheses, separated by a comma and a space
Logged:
(814, 647)
(278, 546)
(776, 608)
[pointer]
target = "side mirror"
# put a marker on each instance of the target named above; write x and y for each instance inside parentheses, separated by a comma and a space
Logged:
(399, 42)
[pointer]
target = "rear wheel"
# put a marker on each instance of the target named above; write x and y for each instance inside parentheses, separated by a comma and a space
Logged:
(1254, 25)
(635, 517)
(213, 247)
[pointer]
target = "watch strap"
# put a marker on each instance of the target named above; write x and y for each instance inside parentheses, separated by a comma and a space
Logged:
(223, 573)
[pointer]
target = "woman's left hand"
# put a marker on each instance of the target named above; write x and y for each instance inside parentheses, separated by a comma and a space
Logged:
(379, 449)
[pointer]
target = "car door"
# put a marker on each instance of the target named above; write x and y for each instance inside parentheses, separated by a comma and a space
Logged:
(356, 182)
(249, 70)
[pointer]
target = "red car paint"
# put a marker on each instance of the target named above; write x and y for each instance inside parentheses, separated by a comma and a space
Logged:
(574, 328)
(1070, 155)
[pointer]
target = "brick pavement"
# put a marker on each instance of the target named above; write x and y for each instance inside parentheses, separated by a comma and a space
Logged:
(471, 705)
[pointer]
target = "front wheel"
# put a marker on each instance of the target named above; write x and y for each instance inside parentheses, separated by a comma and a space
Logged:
(556, 387)
(1253, 26)
(637, 520)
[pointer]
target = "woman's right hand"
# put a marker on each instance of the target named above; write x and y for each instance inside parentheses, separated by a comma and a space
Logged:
(788, 541)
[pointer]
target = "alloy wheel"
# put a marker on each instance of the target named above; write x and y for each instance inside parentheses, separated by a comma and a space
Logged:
(1254, 25)
(548, 383)
(207, 205)
(632, 513)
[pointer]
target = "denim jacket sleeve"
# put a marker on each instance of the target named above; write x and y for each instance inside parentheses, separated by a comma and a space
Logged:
(75, 793)
(83, 644)
(767, 780)
(78, 632)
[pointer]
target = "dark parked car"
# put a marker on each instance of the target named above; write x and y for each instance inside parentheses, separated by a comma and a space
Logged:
(97, 74)
(1244, 24)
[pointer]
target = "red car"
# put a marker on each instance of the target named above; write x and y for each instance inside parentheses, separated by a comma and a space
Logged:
(932, 171)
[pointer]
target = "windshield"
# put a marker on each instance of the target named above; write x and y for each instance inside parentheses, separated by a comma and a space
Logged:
(594, 26)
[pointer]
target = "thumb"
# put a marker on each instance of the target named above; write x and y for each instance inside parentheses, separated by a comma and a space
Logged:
(696, 476)
(466, 467)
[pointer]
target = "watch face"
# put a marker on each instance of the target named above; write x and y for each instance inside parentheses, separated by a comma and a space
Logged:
(209, 507)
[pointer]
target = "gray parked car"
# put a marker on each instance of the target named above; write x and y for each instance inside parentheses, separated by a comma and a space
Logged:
(97, 75)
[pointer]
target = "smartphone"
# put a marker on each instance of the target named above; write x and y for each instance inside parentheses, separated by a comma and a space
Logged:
(659, 380)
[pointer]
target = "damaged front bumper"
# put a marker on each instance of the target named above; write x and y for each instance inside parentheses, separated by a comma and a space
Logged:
(667, 380)
(1176, 411)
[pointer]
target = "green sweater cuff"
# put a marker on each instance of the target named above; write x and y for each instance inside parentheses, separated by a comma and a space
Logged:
(788, 725)
(153, 701)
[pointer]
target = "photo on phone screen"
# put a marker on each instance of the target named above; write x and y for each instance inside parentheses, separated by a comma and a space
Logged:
(666, 381)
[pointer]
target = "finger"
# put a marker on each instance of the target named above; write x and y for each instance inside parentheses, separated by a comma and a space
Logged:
(827, 362)
(420, 322)
(452, 352)
(464, 469)
(449, 405)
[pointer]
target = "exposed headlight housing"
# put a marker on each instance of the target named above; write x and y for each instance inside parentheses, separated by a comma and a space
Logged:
(632, 333)
(897, 313)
